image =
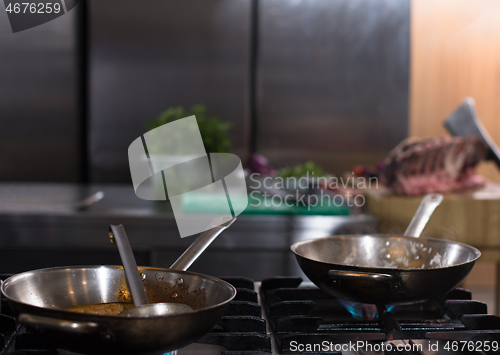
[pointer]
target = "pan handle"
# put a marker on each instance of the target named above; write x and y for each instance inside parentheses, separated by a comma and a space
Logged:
(202, 242)
(424, 212)
(74, 327)
(355, 275)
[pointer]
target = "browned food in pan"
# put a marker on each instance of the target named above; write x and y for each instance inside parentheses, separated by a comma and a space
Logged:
(157, 291)
(102, 308)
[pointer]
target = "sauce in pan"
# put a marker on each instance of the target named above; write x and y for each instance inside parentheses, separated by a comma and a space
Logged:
(157, 291)
(110, 309)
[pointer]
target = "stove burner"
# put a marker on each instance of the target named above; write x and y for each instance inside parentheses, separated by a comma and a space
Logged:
(303, 314)
(363, 311)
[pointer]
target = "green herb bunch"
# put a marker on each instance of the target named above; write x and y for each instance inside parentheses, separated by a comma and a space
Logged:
(214, 131)
(298, 171)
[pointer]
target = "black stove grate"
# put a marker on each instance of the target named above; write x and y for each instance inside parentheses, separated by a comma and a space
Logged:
(301, 314)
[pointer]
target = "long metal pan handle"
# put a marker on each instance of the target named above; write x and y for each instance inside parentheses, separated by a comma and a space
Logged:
(74, 327)
(89, 201)
(201, 243)
(355, 275)
(423, 214)
(118, 235)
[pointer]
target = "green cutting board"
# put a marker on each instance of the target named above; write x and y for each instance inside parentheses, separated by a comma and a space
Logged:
(213, 203)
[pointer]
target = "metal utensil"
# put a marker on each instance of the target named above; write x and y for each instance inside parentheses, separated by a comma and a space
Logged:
(157, 310)
(118, 236)
(89, 201)
(142, 306)
(464, 122)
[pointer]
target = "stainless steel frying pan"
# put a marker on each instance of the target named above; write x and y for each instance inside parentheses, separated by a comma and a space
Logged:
(39, 298)
(387, 269)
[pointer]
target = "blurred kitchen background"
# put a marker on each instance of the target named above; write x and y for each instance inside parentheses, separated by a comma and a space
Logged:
(339, 82)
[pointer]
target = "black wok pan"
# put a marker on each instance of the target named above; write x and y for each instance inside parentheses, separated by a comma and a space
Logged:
(387, 269)
(39, 299)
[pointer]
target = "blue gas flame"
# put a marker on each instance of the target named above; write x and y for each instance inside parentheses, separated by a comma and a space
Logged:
(362, 311)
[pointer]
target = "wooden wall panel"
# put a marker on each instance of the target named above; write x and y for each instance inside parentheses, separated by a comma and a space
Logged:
(455, 52)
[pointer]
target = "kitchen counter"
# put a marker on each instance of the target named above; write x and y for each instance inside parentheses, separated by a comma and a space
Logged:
(39, 223)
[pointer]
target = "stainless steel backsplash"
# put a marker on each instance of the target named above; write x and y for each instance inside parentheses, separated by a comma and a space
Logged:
(39, 104)
(331, 81)
(150, 55)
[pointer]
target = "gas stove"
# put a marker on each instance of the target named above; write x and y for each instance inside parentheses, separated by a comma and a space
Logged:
(284, 315)
(304, 319)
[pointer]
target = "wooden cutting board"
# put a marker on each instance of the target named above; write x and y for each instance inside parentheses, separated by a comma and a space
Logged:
(471, 217)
